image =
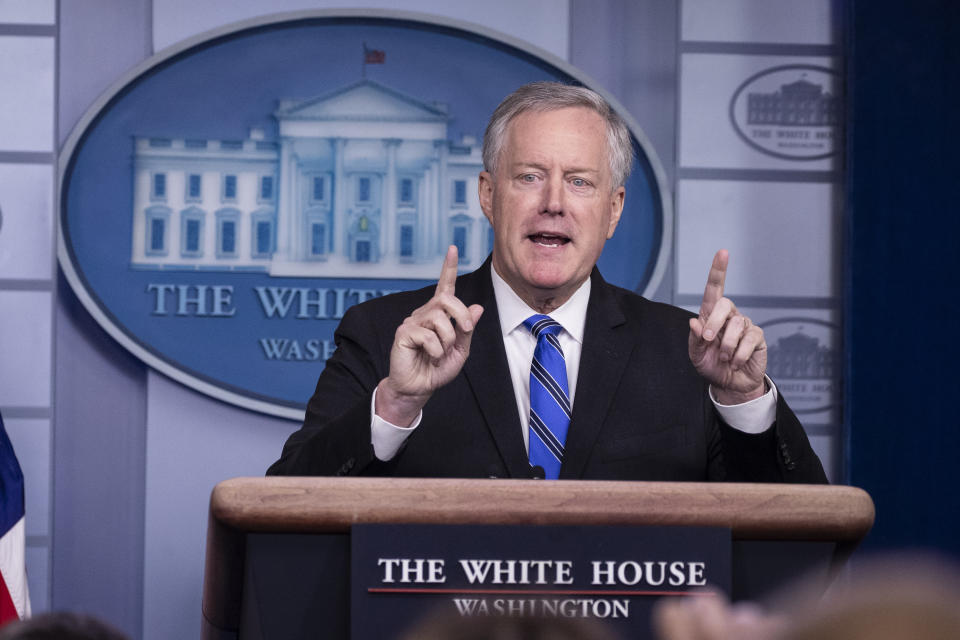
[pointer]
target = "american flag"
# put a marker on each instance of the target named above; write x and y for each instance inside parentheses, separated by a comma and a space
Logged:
(14, 597)
(374, 56)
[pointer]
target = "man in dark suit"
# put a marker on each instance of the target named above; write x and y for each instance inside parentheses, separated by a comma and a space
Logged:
(439, 382)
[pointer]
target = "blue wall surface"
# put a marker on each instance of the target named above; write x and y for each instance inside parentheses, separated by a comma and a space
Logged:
(902, 267)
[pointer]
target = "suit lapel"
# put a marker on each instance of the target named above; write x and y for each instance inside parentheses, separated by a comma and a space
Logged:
(607, 346)
(488, 374)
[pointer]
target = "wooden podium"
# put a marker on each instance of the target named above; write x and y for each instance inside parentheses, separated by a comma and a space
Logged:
(256, 525)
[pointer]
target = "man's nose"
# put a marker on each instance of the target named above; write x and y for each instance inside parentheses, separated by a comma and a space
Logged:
(553, 195)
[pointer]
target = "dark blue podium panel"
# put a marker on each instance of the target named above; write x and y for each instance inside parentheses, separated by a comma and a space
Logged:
(296, 587)
(401, 574)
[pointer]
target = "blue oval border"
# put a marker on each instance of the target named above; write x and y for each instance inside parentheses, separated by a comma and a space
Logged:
(653, 272)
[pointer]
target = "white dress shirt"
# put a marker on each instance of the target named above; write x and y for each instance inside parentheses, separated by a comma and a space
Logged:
(755, 416)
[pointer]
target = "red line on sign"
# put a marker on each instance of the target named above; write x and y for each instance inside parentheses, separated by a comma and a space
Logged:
(537, 592)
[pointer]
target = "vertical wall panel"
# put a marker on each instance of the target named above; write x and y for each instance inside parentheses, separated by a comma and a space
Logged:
(26, 102)
(25, 342)
(99, 459)
(99, 41)
(829, 452)
(100, 413)
(26, 230)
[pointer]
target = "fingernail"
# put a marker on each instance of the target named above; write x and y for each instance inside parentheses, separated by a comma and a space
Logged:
(708, 334)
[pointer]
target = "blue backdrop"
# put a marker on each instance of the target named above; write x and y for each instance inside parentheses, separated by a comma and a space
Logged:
(901, 269)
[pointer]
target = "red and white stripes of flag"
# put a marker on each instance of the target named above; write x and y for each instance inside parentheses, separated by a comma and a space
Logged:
(14, 596)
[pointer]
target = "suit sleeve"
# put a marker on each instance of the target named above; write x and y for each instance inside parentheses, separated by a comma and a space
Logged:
(782, 453)
(335, 436)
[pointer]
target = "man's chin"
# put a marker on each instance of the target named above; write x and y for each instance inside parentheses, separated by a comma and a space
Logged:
(548, 283)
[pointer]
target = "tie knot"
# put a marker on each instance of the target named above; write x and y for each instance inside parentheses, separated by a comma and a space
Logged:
(540, 324)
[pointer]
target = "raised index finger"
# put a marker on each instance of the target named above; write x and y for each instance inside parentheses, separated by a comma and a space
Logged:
(448, 273)
(715, 280)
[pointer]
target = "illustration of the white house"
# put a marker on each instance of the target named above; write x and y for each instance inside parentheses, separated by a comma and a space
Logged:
(802, 356)
(798, 104)
(363, 182)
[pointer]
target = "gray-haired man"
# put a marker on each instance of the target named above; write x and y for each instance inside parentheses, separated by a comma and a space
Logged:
(450, 381)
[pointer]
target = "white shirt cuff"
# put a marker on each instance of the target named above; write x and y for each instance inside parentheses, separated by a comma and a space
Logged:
(387, 438)
(755, 416)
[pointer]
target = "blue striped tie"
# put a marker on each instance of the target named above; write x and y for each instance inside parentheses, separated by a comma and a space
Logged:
(549, 396)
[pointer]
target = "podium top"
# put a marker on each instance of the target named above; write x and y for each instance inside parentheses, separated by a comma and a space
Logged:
(752, 511)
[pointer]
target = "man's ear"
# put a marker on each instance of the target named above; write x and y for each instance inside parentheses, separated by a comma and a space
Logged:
(485, 192)
(616, 208)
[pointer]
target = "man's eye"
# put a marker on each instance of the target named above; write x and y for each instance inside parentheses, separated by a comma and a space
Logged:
(528, 177)
(579, 182)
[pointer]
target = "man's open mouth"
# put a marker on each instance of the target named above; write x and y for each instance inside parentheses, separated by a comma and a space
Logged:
(549, 239)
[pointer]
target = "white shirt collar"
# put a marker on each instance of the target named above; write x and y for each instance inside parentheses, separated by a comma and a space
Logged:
(572, 314)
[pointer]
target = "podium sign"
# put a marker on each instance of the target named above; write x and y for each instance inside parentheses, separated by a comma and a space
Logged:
(401, 574)
(280, 550)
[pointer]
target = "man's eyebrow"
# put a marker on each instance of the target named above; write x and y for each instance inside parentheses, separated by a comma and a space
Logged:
(519, 165)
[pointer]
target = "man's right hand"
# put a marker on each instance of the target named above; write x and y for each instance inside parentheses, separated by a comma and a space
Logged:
(429, 349)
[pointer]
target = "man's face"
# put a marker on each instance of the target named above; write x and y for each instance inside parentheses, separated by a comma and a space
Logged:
(552, 203)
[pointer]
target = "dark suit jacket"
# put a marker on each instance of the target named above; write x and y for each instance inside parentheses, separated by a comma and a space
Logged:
(641, 411)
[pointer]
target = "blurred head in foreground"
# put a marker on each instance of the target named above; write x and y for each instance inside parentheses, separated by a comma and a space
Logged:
(886, 599)
(509, 628)
(60, 626)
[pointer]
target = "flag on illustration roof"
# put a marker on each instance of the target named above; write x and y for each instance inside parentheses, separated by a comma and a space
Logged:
(373, 56)
(14, 598)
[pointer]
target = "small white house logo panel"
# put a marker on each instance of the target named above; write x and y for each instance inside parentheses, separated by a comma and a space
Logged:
(792, 112)
(223, 205)
(803, 357)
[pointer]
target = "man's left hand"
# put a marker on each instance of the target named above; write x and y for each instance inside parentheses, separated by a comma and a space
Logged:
(725, 346)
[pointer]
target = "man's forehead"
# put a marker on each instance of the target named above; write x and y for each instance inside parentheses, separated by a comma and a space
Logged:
(577, 122)
(535, 151)
(537, 117)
